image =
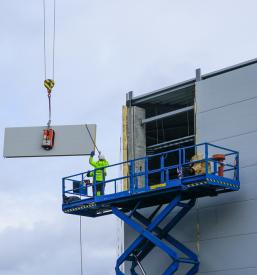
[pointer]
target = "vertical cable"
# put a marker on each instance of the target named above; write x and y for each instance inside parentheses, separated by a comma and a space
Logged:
(197, 229)
(81, 249)
(54, 38)
(53, 46)
(49, 110)
(44, 15)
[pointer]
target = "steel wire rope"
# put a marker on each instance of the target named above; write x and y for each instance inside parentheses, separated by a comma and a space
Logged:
(49, 100)
(53, 60)
(49, 110)
(53, 55)
(44, 37)
(198, 232)
(81, 247)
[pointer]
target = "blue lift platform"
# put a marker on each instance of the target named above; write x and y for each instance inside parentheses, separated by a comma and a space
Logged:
(164, 188)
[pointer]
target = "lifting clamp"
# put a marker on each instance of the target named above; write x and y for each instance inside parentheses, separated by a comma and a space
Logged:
(48, 133)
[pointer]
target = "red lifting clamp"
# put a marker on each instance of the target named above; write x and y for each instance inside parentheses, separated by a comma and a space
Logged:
(48, 139)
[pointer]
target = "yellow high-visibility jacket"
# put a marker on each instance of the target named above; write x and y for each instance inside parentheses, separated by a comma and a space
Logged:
(100, 173)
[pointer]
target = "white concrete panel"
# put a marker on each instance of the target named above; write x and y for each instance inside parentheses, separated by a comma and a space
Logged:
(70, 140)
(228, 253)
(228, 121)
(227, 88)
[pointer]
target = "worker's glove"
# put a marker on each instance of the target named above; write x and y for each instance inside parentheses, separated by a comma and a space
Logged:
(92, 153)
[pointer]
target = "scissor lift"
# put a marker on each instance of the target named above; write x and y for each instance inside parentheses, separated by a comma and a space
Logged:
(164, 189)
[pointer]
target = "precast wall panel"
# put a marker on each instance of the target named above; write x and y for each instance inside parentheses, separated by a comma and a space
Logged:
(227, 116)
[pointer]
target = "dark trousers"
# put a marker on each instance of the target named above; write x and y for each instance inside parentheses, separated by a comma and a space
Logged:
(99, 188)
(188, 171)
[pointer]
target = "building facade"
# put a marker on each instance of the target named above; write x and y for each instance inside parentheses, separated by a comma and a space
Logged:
(220, 108)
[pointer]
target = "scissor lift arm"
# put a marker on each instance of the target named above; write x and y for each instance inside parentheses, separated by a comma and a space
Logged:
(180, 193)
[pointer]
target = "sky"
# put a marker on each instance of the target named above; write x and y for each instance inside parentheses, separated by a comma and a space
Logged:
(104, 49)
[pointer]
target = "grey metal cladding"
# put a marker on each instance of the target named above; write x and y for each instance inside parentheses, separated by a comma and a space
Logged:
(246, 145)
(167, 92)
(232, 120)
(244, 271)
(223, 220)
(235, 252)
(227, 116)
(226, 88)
(248, 191)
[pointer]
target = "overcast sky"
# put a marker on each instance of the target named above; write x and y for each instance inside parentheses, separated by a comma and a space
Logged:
(104, 49)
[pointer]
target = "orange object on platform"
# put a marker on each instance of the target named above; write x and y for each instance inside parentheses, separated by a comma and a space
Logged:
(220, 158)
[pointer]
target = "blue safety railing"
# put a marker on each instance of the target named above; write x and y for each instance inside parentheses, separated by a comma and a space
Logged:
(141, 177)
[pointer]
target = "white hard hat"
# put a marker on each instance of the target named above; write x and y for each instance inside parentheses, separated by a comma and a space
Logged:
(101, 157)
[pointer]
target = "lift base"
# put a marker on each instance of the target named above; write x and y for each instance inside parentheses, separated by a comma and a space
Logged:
(152, 235)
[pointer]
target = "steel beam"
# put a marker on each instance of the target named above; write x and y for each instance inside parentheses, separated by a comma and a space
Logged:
(172, 142)
(169, 114)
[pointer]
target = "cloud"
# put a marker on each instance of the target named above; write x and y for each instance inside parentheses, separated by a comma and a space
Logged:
(103, 50)
(53, 247)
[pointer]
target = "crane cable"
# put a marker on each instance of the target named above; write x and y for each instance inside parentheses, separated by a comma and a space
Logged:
(80, 242)
(49, 83)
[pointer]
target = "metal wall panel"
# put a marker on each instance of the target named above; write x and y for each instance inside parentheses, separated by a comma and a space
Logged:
(235, 252)
(238, 118)
(226, 88)
(248, 191)
(245, 144)
(227, 116)
(246, 271)
(228, 220)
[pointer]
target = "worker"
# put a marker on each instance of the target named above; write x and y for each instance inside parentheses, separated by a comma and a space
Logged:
(200, 166)
(100, 174)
